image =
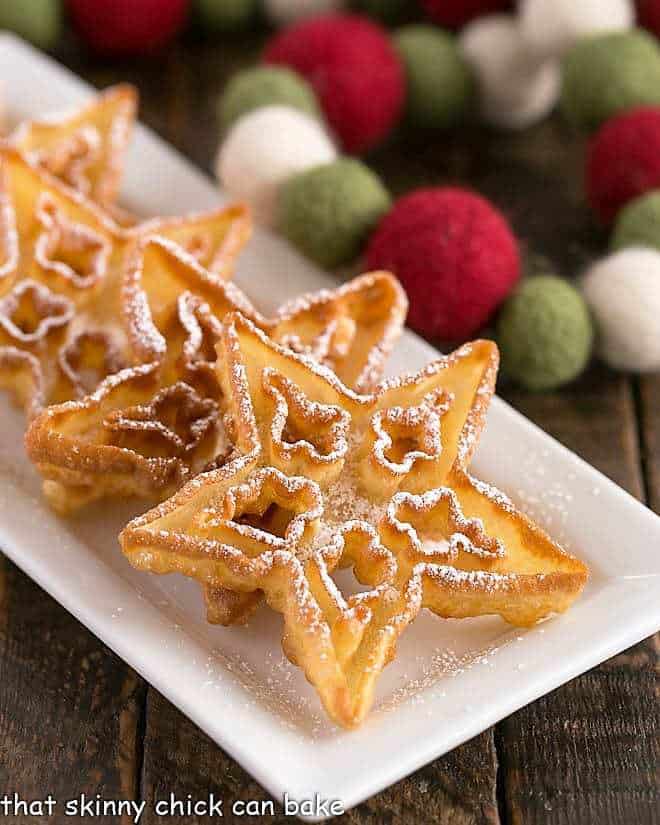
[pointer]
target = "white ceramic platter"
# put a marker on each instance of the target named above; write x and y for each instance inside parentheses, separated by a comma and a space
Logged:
(451, 679)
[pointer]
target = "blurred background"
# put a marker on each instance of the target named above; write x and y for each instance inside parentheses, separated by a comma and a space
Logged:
(531, 130)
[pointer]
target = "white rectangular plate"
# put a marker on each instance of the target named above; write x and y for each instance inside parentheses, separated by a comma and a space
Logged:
(451, 679)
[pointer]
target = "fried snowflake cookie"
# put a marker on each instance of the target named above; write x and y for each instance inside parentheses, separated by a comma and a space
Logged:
(62, 261)
(326, 478)
(149, 428)
(85, 148)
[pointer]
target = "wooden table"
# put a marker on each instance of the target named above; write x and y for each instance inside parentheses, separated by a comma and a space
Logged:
(75, 718)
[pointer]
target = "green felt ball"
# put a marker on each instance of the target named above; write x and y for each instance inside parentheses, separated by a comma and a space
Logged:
(265, 86)
(440, 85)
(545, 333)
(387, 11)
(638, 223)
(39, 21)
(329, 210)
(226, 15)
(605, 74)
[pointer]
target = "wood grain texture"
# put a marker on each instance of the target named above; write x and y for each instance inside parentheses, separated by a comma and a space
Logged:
(649, 413)
(590, 751)
(70, 714)
(458, 789)
(69, 709)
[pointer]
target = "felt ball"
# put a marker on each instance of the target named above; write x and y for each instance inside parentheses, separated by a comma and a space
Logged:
(455, 255)
(329, 211)
(226, 15)
(265, 86)
(282, 12)
(551, 28)
(456, 13)
(648, 15)
(266, 147)
(387, 11)
(605, 74)
(515, 89)
(39, 21)
(545, 333)
(354, 69)
(623, 160)
(439, 80)
(623, 293)
(114, 27)
(638, 223)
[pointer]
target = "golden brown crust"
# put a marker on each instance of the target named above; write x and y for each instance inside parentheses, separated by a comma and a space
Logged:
(171, 308)
(305, 496)
(85, 149)
(55, 242)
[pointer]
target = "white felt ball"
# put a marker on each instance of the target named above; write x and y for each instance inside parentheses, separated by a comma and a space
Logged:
(551, 27)
(623, 291)
(515, 89)
(282, 12)
(266, 147)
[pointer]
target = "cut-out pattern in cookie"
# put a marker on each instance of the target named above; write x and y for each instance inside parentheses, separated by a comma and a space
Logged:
(31, 314)
(441, 540)
(52, 236)
(86, 148)
(173, 310)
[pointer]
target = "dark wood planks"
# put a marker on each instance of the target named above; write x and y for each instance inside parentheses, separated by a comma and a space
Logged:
(458, 789)
(69, 709)
(649, 411)
(589, 752)
(583, 754)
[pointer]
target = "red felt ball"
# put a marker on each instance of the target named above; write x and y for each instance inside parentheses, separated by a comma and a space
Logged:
(456, 13)
(127, 27)
(354, 69)
(455, 255)
(623, 160)
(648, 15)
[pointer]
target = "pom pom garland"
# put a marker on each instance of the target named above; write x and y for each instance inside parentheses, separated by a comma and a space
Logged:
(623, 292)
(127, 27)
(265, 86)
(354, 69)
(638, 224)
(550, 29)
(39, 21)
(648, 12)
(623, 161)
(281, 12)
(455, 256)
(453, 251)
(439, 80)
(328, 212)
(515, 90)
(606, 74)
(456, 13)
(263, 149)
(545, 333)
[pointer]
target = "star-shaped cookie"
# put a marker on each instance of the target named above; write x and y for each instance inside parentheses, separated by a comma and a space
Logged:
(85, 148)
(172, 309)
(54, 238)
(324, 478)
